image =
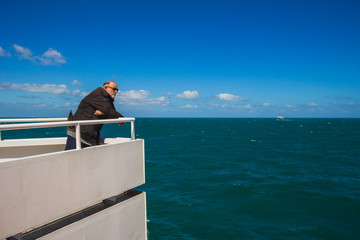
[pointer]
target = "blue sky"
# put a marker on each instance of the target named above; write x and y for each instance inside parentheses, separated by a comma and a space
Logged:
(182, 58)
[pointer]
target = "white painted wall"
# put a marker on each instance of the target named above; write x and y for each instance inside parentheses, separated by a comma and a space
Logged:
(124, 221)
(18, 148)
(38, 189)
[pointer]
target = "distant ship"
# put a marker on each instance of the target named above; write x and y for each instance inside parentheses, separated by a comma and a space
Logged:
(280, 117)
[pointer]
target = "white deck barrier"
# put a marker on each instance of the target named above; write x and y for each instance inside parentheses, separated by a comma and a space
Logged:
(48, 123)
(47, 186)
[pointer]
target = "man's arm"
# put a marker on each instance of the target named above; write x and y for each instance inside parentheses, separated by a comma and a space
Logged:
(99, 102)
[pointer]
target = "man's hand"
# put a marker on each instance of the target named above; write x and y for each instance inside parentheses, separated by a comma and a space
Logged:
(98, 113)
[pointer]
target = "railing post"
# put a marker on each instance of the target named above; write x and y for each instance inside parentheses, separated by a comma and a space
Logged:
(78, 136)
(133, 130)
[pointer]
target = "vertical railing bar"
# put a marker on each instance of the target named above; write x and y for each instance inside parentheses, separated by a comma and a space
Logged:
(0, 136)
(132, 130)
(78, 136)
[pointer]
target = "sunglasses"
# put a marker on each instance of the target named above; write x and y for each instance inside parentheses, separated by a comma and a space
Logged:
(114, 89)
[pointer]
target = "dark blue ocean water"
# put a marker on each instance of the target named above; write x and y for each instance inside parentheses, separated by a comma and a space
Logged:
(248, 178)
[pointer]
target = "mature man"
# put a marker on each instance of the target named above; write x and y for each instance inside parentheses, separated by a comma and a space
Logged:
(99, 104)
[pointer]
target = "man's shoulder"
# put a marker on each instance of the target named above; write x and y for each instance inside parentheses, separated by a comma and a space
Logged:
(98, 92)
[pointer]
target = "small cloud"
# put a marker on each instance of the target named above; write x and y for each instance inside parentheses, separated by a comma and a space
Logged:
(66, 105)
(140, 98)
(51, 57)
(266, 104)
(23, 53)
(160, 101)
(290, 106)
(76, 83)
(232, 106)
(4, 53)
(40, 88)
(75, 92)
(83, 94)
(247, 106)
(312, 105)
(5, 85)
(344, 98)
(188, 106)
(228, 97)
(46, 88)
(189, 95)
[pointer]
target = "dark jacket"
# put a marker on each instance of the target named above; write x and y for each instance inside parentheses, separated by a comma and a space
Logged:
(98, 99)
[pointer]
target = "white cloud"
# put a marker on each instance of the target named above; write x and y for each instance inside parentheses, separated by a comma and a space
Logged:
(4, 85)
(189, 95)
(76, 83)
(312, 105)
(50, 57)
(247, 106)
(46, 88)
(4, 53)
(189, 106)
(231, 106)
(140, 98)
(66, 105)
(75, 92)
(83, 94)
(266, 104)
(228, 97)
(23, 53)
(41, 88)
(160, 101)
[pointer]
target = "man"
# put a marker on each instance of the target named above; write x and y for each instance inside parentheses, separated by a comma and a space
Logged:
(99, 104)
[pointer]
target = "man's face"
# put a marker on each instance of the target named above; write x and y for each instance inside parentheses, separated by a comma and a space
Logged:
(112, 89)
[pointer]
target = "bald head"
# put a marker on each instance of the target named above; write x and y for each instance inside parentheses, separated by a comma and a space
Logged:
(111, 88)
(107, 83)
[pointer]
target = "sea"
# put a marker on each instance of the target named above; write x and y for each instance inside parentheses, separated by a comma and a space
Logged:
(246, 178)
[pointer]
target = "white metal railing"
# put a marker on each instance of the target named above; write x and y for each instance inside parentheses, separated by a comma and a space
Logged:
(27, 120)
(61, 122)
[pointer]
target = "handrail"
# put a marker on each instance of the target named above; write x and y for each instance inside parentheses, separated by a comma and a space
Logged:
(64, 123)
(17, 120)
